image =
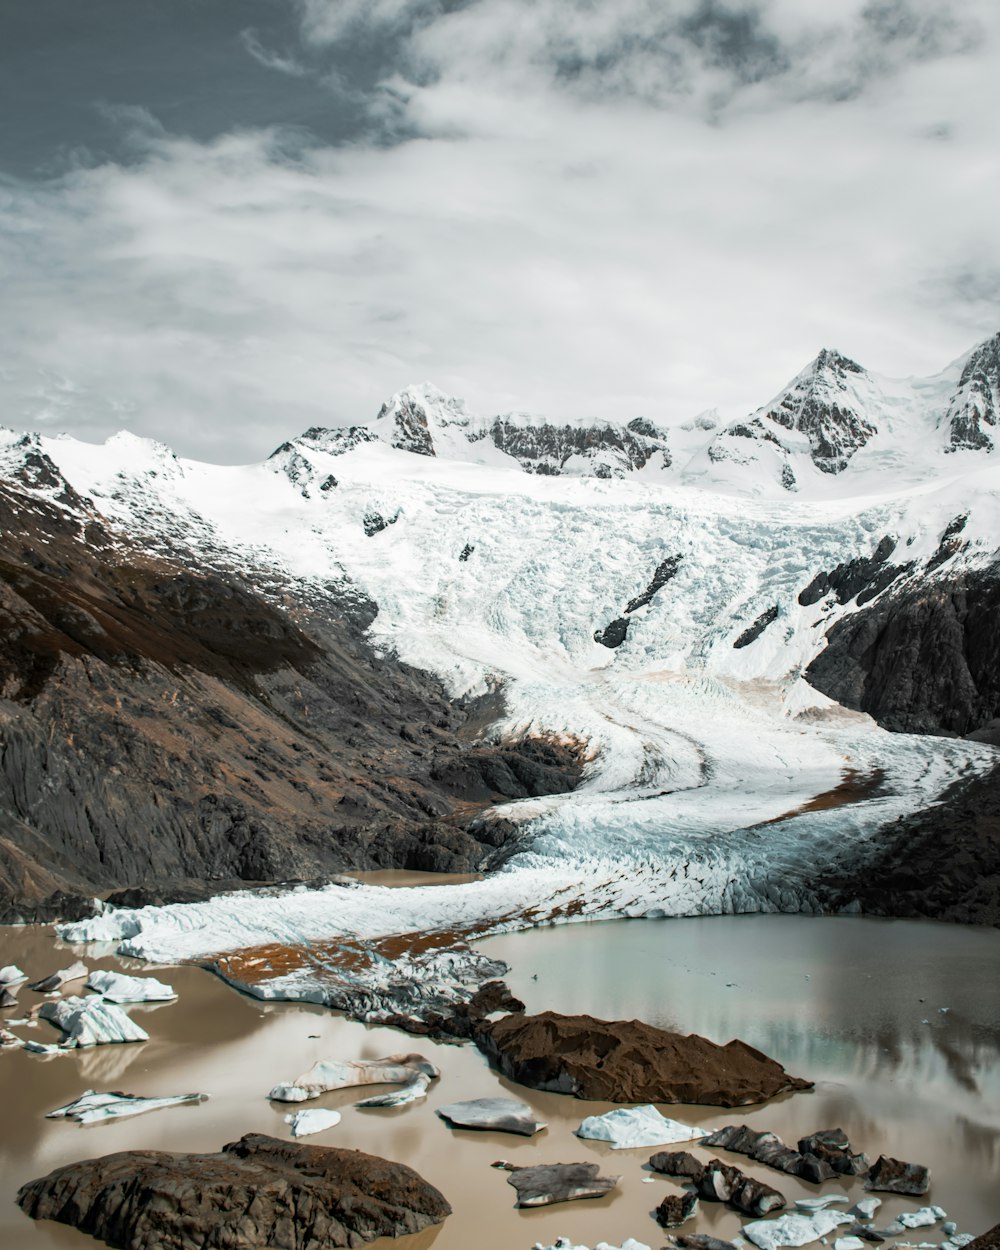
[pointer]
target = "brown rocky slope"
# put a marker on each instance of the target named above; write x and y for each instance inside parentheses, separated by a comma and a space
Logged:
(174, 728)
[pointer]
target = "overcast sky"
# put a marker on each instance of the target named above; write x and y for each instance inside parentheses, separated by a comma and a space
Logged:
(222, 221)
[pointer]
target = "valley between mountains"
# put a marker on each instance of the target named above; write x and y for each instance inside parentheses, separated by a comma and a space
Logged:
(621, 669)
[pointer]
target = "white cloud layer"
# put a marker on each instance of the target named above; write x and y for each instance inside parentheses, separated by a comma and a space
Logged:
(575, 207)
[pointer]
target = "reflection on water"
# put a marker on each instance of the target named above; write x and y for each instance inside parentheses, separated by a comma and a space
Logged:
(898, 1022)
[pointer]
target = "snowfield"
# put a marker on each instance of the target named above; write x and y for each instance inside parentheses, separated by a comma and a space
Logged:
(707, 756)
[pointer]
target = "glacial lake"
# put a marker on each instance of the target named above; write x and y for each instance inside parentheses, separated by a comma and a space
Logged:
(836, 1000)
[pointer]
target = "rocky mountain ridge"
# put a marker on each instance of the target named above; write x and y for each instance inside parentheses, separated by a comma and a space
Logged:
(815, 428)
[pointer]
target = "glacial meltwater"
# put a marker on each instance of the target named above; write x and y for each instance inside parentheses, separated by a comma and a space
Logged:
(836, 1000)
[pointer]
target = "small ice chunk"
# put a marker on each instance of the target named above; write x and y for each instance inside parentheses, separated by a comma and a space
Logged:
(502, 1115)
(866, 1208)
(56, 980)
(848, 1243)
(630, 1127)
(923, 1218)
(818, 1204)
(94, 1108)
(11, 975)
(311, 1120)
(949, 1228)
(794, 1229)
(417, 1088)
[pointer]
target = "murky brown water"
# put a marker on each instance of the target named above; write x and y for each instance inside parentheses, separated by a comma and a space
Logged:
(218, 1042)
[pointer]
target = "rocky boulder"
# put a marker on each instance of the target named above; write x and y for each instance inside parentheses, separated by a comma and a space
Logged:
(629, 1061)
(256, 1192)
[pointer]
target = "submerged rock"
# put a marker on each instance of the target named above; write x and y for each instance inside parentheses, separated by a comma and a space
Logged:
(256, 1192)
(548, 1183)
(629, 1061)
(677, 1163)
(329, 1074)
(717, 1182)
(700, 1241)
(896, 1177)
(94, 1108)
(91, 1022)
(629, 1127)
(502, 1115)
(721, 1183)
(676, 1208)
(819, 1157)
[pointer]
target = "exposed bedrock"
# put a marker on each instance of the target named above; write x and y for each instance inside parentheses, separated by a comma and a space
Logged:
(921, 660)
(942, 863)
(248, 741)
(256, 1192)
(628, 1061)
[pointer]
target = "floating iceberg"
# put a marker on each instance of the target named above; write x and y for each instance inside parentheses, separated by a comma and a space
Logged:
(314, 1120)
(410, 1092)
(91, 1022)
(330, 1074)
(564, 1243)
(502, 1115)
(56, 980)
(118, 988)
(94, 1108)
(794, 1230)
(629, 1127)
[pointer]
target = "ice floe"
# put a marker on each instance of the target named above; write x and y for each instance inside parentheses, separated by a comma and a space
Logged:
(794, 1229)
(312, 1120)
(95, 1108)
(56, 980)
(565, 1243)
(629, 1127)
(91, 1022)
(116, 987)
(330, 1074)
(502, 1115)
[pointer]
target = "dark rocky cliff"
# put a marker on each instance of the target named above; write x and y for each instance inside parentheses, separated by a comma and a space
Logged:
(160, 724)
(925, 659)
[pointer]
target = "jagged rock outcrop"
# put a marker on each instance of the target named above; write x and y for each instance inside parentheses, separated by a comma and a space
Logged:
(609, 450)
(925, 659)
(614, 634)
(972, 416)
(754, 631)
(628, 1061)
(256, 1192)
(818, 406)
(249, 741)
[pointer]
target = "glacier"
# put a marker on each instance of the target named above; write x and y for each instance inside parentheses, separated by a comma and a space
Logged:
(719, 780)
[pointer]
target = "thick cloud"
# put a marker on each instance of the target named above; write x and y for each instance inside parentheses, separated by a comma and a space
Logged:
(570, 206)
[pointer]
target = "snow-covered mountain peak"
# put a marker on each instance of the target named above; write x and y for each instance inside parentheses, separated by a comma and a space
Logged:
(410, 419)
(974, 411)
